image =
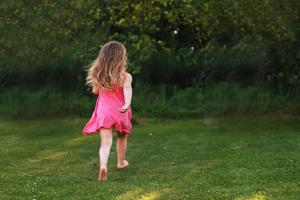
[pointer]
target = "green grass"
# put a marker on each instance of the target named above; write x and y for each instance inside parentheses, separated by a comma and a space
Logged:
(217, 158)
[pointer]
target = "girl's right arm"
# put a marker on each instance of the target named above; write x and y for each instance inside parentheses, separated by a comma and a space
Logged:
(127, 90)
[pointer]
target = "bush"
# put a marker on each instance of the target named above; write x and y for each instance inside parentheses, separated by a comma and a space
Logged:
(151, 101)
(45, 102)
(187, 67)
(214, 100)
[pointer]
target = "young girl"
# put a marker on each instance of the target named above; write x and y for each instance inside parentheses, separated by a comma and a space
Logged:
(109, 80)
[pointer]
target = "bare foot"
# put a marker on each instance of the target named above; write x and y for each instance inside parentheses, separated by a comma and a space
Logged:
(102, 173)
(125, 165)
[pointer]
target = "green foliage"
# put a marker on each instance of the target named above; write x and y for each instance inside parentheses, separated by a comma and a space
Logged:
(39, 34)
(161, 101)
(187, 66)
(45, 102)
(214, 100)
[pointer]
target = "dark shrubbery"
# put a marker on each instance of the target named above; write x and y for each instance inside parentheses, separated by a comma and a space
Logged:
(170, 42)
(202, 57)
(189, 66)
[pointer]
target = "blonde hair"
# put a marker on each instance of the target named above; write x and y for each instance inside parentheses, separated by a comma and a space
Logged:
(108, 69)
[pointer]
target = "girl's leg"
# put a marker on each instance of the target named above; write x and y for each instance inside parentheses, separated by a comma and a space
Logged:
(104, 151)
(121, 151)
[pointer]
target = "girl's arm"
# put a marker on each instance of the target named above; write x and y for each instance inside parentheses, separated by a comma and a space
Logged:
(127, 89)
(95, 90)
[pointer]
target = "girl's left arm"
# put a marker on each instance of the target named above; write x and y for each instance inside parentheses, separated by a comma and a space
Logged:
(95, 90)
(127, 89)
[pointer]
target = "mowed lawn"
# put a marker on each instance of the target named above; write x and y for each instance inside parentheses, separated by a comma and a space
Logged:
(219, 158)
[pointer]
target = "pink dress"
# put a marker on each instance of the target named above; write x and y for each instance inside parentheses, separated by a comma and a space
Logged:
(107, 115)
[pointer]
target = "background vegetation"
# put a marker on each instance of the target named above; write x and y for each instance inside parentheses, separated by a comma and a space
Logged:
(193, 58)
(189, 59)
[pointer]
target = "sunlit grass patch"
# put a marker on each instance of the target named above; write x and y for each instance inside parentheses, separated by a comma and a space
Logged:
(255, 196)
(131, 194)
(259, 196)
(150, 196)
(75, 141)
(53, 155)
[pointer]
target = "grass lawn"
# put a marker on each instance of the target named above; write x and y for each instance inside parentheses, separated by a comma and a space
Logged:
(222, 158)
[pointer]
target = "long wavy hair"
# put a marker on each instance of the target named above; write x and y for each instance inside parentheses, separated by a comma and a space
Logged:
(108, 69)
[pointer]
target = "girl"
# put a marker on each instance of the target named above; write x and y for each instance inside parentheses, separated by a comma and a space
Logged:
(109, 80)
